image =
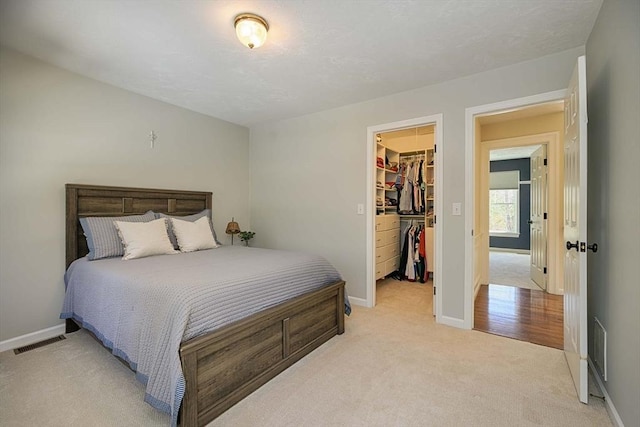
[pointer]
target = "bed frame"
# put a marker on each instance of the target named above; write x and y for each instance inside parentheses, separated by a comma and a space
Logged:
(226, 365)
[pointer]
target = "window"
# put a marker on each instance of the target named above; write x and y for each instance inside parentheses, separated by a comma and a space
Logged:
(504, 204)
(503, 211)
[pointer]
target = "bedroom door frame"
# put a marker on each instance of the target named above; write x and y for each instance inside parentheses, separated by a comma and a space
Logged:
(437, 121)
(470, 183)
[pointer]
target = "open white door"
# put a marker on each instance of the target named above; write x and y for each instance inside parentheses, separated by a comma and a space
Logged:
(575, 229)
(538, 220)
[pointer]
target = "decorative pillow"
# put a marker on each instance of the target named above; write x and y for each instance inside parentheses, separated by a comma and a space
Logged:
(191, 218)
(145, 238)
(193, 236)
(102, 236)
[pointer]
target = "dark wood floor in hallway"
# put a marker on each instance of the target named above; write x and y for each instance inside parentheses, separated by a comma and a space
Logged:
(523, 314)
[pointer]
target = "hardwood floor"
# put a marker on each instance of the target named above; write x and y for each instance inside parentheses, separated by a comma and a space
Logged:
(523, 314)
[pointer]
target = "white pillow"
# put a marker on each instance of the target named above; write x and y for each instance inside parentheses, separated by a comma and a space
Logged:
(142, 239)
(193, 236)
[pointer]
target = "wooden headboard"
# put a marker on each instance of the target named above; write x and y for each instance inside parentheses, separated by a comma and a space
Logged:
(95, 200)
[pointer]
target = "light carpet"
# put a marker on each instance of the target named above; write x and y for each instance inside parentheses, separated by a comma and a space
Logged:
(394, 366)
(511, 269)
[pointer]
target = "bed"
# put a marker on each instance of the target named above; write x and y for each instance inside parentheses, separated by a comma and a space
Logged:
(221, 366)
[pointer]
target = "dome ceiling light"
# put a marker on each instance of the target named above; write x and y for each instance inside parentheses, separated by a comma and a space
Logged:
(251, 29)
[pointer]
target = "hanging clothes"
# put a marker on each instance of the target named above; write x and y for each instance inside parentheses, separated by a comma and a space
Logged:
(422, 186)
(424, 276)
(416, 188)
(410, 271)
(404, 253)
(412, 263)
(411, 185)
(406, 194)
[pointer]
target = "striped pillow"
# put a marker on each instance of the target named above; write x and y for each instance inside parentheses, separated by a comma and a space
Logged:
(102, 235)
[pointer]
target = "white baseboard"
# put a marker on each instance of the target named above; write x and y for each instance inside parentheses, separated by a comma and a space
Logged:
(515, 251)
(31, 338)
(358, 301)
(452, 321)
(611, 409)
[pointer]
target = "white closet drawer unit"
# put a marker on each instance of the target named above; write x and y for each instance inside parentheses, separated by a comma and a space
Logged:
(380, 253)
(380, 239)
(392, 251)
(384, 254)
(391, 265)
(393, 222)
(391, 237)
(387, 244)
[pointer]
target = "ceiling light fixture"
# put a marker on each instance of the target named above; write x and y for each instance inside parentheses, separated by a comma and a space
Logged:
(251, 29)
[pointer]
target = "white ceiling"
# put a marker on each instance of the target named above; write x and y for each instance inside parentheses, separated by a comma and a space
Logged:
(319, 54)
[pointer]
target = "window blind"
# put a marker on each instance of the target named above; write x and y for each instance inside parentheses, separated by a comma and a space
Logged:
(507, 180)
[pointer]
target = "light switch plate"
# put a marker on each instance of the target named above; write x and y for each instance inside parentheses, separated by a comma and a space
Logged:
(360, 209)
(456, 209)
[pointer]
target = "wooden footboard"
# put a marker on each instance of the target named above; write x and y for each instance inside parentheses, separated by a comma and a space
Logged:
(225, 366)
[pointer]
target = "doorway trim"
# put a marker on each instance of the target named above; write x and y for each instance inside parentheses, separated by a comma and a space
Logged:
(437, 121)
(470, 153)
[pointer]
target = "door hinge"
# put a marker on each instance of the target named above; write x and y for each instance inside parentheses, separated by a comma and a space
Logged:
(545, 162)
(435, 219)
(435, 148)
(434, 290)
(544, 270)
(545, 215)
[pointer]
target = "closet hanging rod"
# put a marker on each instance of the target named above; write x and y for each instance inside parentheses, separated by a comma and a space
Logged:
(412, 153)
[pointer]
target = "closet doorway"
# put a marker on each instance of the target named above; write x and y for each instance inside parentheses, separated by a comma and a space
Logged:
(403, 220)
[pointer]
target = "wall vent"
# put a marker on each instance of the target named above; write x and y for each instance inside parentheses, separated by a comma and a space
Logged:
(600, 348)
(29, 347)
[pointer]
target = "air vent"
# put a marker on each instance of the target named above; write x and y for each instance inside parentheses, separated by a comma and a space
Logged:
(600, 348)
(29, 347)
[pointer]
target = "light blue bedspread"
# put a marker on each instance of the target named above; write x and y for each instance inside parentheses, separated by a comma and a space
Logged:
(143, 309)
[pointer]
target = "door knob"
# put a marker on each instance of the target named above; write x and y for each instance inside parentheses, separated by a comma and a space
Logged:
(573, 245)
(530, 222)
(593, 247)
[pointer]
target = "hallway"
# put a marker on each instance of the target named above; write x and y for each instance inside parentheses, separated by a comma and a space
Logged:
(511, 269)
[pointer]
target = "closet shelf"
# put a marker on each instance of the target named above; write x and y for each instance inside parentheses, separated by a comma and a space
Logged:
(386, 170)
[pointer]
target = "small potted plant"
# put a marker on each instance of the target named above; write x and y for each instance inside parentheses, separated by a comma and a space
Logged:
(245, 236)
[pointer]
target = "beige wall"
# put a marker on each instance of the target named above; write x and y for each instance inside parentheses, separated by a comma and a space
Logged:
(309, 173)
(522, 127)
(57, 127)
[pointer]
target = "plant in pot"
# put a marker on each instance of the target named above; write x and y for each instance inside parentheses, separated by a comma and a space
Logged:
(245, 236)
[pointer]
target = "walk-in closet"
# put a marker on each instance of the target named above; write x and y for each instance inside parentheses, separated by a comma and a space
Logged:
(405, 205)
